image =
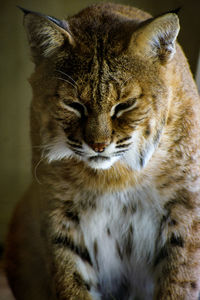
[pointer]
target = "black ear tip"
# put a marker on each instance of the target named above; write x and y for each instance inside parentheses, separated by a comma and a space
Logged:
(27, 11)
(24, 10)
(173, 11)
(176, 10)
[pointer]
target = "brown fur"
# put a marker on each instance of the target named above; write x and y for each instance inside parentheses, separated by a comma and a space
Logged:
(106, 50)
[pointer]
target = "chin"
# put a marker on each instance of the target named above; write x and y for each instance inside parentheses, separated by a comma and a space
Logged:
(101, 163)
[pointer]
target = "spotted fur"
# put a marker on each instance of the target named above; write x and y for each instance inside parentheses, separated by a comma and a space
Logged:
(113, 210)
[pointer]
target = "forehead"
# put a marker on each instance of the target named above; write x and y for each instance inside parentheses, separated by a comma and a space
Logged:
(101, 76)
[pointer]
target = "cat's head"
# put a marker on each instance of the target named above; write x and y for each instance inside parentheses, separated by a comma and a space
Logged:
(101, 84)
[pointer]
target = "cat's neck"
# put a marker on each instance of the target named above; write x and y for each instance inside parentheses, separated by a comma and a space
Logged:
(72, 172)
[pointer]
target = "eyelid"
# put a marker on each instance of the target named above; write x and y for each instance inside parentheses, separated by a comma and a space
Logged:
(75, 106)
(128, 105)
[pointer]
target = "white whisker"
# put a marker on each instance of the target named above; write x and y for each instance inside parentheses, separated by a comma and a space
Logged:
(126, 81)
(35, 170)
(67, 76)
(66, 81)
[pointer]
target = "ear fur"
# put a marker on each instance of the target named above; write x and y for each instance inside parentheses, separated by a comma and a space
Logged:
(156, 38)
(45, 34)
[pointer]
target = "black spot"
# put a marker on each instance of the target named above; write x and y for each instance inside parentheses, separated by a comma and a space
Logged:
(88, 287)
(142, 159)
(96, 254)
(72, 216)
(176, 241)
(131, 229)
(68, 243)
(78, 279)
(161, 255)
(147, 131)
(71, 212)
(172, 222)
(108, 231)
(193, 285)
(124, 209)
(129, 242)
(119, 250)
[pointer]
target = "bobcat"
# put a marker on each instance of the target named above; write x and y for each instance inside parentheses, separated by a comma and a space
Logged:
(114, 208)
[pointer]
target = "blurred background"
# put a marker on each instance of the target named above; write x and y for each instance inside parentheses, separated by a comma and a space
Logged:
(15, 92)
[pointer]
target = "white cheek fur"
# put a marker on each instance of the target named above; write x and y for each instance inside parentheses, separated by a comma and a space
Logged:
(57, 150)
(140, 152)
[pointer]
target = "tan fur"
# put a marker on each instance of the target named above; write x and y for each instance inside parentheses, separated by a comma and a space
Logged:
(106, 55)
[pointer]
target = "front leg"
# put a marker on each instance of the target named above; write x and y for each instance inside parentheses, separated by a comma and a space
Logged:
(178, 261)
(73, 275)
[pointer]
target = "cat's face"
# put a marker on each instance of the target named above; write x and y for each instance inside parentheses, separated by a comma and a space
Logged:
(101, 120)
(103, 103)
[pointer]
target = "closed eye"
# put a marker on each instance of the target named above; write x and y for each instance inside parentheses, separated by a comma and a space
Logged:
(118, 109)
(79, 109)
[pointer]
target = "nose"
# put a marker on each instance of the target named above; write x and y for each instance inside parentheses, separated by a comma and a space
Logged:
(98, 147)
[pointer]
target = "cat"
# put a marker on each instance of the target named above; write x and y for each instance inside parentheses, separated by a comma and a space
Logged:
(113, 209)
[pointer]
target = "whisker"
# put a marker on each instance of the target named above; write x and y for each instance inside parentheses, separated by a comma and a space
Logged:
(126, 81)
(120, 152)
(67, 76)
(66, 81)
(35, 170)
(117, 154)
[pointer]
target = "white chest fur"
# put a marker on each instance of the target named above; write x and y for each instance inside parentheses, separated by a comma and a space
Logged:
(120, 235)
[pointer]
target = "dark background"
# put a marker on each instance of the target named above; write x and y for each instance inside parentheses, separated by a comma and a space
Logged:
(15, 92)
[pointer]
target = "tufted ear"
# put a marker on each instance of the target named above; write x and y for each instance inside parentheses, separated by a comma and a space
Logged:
(45, 34)
(156, 38)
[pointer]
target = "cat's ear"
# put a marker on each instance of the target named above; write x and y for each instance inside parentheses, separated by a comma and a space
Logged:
(156, 38)
(45, 34)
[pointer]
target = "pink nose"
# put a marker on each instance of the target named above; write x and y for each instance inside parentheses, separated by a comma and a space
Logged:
(98, 147)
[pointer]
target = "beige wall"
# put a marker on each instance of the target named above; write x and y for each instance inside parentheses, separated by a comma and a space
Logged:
(15, 93)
